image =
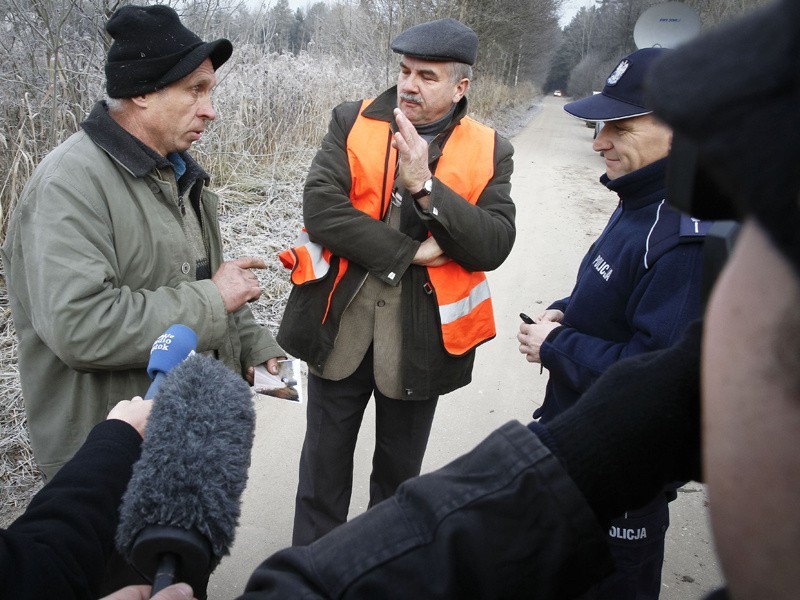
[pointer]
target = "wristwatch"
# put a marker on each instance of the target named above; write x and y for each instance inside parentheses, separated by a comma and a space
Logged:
(427, 187)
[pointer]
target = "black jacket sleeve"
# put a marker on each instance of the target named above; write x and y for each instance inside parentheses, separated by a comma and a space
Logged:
(506, 520)
(635, 430)
(59, 546)
(502, 521)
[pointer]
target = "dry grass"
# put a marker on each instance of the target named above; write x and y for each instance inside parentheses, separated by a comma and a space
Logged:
(273, 110)
(19, 476)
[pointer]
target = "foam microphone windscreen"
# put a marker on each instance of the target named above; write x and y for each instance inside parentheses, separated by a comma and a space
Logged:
(183, 502)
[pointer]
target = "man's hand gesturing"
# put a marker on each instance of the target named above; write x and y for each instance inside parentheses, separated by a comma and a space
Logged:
(412, 164)
(237, 283)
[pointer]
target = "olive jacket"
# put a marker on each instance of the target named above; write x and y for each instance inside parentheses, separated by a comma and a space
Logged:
(98, 265)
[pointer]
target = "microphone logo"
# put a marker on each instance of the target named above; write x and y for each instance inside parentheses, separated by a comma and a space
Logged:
(171, 348)
(165, 340)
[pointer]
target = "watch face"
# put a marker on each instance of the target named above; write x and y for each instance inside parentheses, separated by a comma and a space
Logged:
(427, 187)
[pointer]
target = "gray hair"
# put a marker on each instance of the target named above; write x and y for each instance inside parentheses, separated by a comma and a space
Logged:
(459, 71)
(117, 105)
(114, 105)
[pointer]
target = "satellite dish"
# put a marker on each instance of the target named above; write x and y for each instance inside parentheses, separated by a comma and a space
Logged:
(666, 25)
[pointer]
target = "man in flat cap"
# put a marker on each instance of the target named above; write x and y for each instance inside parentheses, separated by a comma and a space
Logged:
(406, 204)
(115, 238)
(637, 289)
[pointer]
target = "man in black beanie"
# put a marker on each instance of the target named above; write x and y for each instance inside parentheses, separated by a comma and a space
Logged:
(115, 238)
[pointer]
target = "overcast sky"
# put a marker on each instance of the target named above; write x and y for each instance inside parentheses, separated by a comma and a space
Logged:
(569, 7)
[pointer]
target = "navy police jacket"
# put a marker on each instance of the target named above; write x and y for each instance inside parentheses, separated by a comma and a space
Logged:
(638, 288)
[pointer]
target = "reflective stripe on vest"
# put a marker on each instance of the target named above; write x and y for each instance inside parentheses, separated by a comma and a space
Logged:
(465, 305)
(466, 321)
(307, 260)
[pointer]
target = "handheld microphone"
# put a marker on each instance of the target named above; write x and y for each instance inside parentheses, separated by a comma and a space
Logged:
(170, 349)
(179, 514)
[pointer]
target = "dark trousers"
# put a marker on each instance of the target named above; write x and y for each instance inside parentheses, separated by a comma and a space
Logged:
(333, 418)
(636, 541)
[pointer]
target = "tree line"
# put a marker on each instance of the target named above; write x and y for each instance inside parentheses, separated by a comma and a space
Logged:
(52, 54)
(305, 60)
(598, 36)
(516, 37)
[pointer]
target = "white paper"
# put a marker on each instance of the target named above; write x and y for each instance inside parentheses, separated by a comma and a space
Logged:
(287, 384)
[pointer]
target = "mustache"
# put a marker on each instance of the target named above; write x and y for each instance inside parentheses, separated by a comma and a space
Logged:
(410, 98)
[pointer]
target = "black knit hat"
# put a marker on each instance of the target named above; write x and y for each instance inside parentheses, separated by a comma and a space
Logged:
(442, 40)
(152, 49)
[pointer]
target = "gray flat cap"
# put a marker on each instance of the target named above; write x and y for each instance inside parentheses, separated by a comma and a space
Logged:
(443, 39)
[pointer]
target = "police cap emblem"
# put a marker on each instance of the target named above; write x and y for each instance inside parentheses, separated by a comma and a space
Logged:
(618, 72)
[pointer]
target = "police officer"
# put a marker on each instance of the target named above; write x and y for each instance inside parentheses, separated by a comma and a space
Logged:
(637, 289)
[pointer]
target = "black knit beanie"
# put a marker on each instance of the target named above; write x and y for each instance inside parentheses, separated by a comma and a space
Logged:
(735, 94)
(152, 49)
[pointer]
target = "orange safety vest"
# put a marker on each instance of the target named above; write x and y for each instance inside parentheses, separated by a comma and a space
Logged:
(463, 297)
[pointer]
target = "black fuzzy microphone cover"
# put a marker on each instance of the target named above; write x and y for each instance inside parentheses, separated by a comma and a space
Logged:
(183, 502)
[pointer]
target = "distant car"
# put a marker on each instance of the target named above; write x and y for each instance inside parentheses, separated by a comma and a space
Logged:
(557, 93)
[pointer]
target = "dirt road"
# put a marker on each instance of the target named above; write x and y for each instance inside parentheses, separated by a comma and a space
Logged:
(561, 208)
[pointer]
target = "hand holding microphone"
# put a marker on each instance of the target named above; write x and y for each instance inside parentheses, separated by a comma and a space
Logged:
(179, 591)
(134, 412)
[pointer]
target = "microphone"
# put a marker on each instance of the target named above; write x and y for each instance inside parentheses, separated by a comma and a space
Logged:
(180, 511)
(171, 347)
